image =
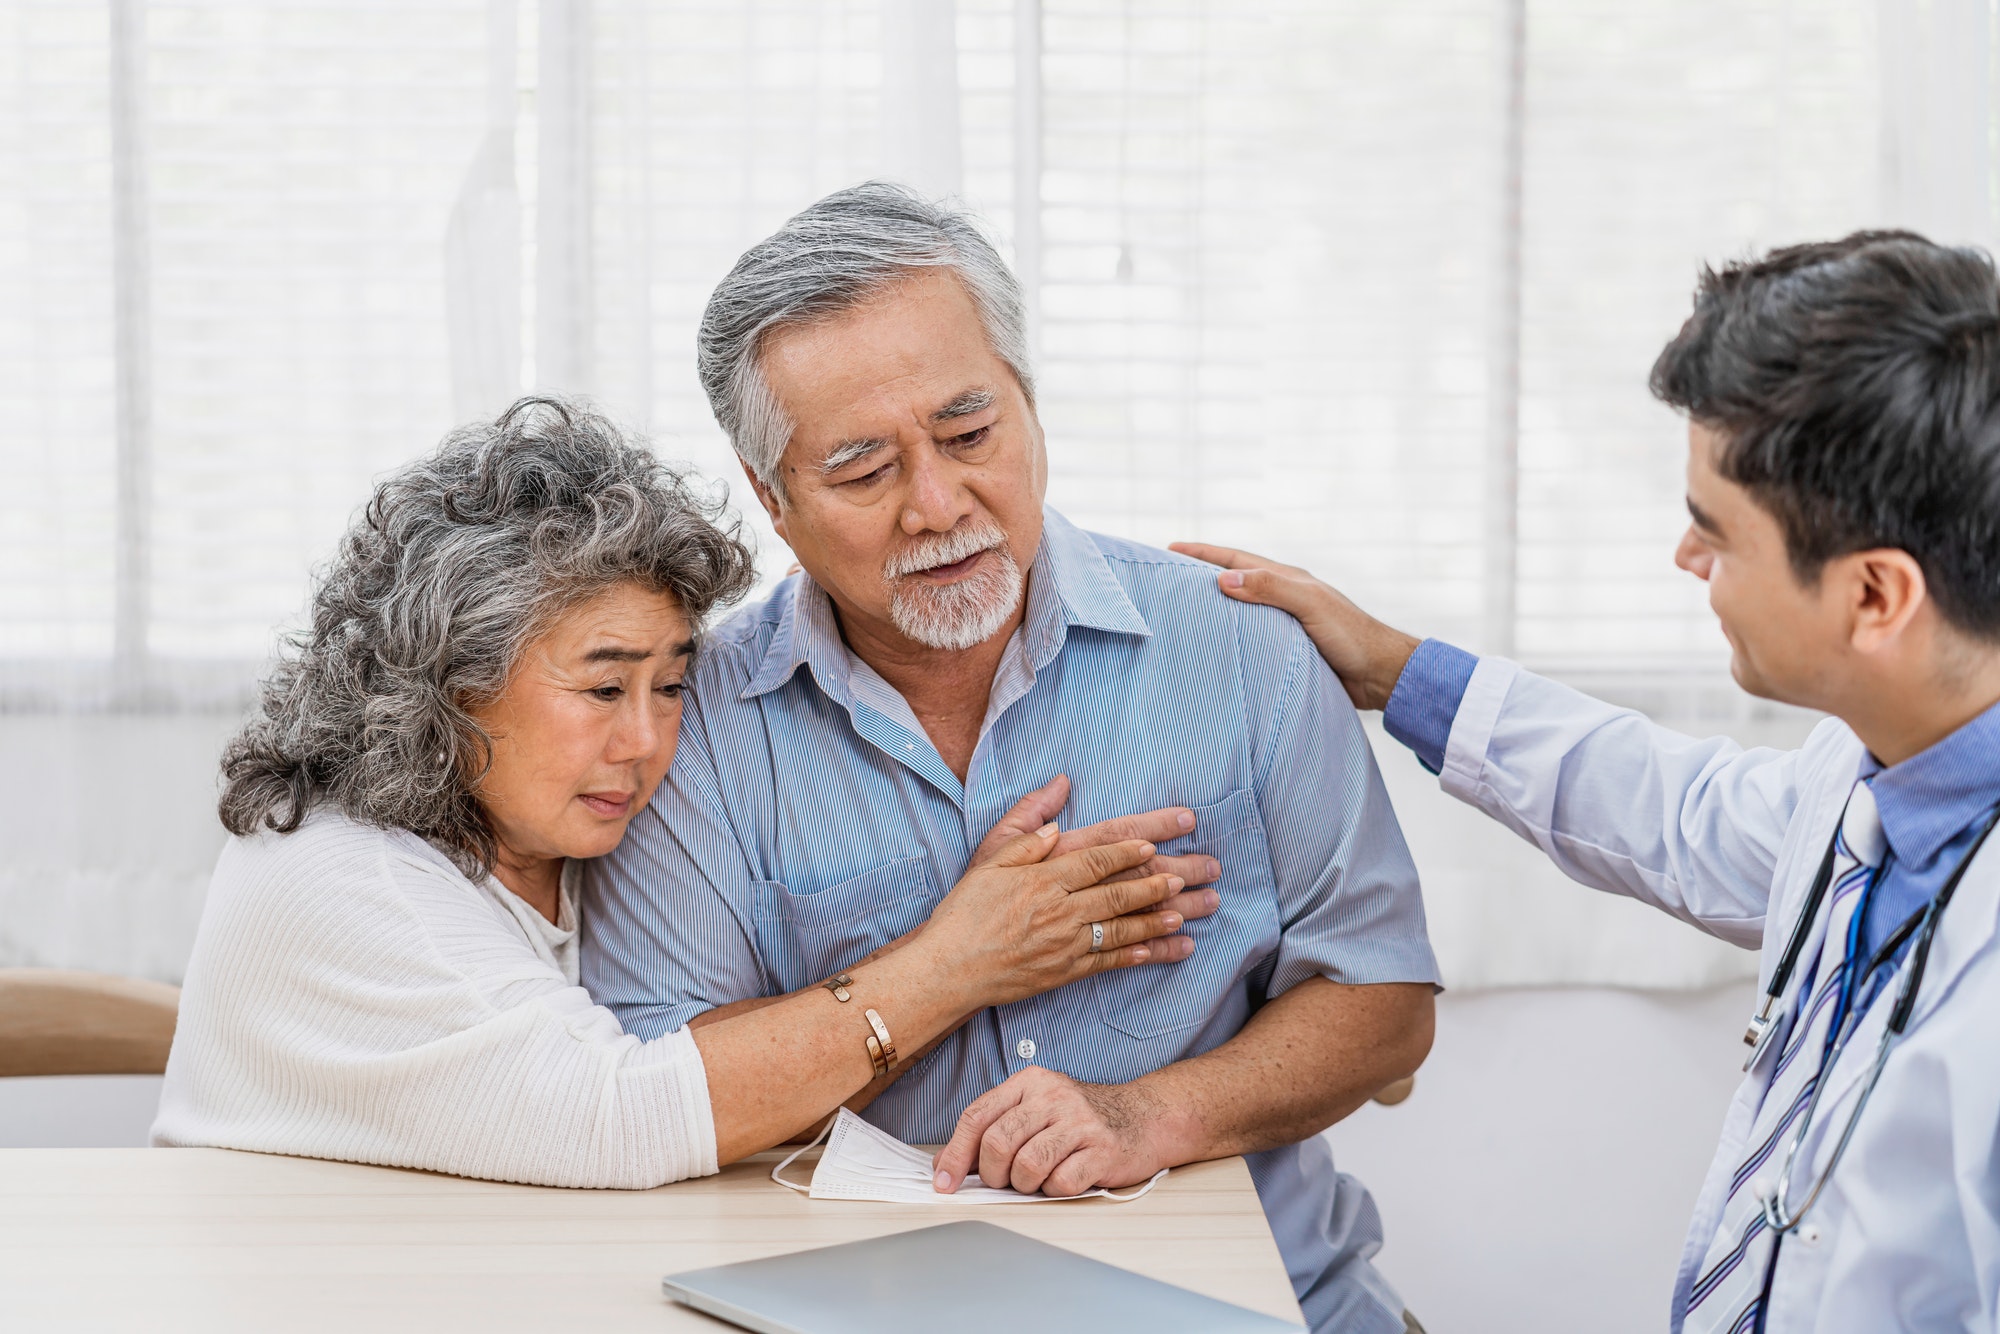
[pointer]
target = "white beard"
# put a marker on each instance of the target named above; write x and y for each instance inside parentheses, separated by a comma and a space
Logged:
(960, 615)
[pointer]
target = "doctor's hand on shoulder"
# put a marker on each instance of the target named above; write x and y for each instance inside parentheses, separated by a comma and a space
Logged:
(1365, 654)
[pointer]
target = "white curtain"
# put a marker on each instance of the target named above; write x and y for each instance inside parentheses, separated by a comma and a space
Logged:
(1370, 287)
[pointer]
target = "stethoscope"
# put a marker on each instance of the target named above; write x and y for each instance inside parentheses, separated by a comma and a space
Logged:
(1777, 1213)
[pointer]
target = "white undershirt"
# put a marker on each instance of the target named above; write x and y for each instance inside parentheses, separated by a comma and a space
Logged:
(353, 995)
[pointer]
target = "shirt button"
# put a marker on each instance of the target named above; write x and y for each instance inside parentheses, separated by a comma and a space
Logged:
(1809, 1234)
(1025, 1049)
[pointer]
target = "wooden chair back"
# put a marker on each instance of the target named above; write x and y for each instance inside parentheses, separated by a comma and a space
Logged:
(54, 1021)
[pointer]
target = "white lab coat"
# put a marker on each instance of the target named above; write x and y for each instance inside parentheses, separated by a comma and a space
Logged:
(1907, 1234)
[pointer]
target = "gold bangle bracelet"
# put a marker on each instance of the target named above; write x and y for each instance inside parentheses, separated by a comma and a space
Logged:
(838, 985)
(879, 1039)
(875, 1057)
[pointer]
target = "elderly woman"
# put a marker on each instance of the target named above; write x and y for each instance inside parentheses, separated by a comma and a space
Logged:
(490, 689)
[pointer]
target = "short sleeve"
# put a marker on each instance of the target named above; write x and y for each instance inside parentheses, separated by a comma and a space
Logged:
(1348, 899)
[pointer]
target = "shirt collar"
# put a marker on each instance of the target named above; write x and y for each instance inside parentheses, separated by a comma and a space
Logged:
(1070, 584)
(1930, 798)
(806, 633)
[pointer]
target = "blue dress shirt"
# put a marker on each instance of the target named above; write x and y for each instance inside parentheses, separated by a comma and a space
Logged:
(808, 820)
(1933, 804)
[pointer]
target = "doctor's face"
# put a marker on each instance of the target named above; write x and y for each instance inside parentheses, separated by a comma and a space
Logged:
(1783, 634)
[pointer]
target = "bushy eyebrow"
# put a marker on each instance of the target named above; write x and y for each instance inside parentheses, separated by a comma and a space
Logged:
(965, 405)
(1703, 519)
(608, 653)
(847, 451)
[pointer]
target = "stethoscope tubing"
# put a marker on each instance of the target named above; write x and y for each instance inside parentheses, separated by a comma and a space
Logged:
(1776, 1214)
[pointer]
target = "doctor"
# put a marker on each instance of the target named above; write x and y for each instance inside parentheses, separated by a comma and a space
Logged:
(1844, 496)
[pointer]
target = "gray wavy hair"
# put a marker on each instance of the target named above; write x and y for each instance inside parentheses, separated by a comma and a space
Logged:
(457, 562)
(823, 262)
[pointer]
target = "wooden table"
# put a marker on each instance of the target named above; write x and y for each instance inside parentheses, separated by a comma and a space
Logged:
(211, 1240)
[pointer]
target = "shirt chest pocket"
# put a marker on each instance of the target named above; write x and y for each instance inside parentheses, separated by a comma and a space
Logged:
(1155, 999)
(807, 938)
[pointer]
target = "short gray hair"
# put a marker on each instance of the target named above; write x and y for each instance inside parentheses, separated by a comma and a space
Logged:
(456, 563)
(827, 260)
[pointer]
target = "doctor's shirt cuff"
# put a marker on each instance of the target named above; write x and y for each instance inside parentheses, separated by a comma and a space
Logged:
(1426, 699)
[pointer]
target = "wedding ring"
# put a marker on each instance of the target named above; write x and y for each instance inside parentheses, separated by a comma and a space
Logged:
(1096, 937)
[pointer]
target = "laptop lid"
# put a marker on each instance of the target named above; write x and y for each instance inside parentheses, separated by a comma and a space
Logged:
(969, 1277)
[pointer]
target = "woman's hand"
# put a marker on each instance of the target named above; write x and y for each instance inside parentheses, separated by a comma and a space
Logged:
(1020, 923)
(1365, 654)
(1046, 802)
(1016, 925)
(1198, 870)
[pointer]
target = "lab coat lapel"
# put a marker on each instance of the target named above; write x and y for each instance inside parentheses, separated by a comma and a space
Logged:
(1813, 825)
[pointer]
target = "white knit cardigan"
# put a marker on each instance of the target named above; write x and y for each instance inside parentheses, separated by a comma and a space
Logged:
(352, 995)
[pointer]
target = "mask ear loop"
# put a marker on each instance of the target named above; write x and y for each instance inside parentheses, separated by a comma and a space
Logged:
(824, 1131)
(1131, 1195)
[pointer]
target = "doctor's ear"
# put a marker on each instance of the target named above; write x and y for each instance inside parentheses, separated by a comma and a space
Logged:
(1887, 590)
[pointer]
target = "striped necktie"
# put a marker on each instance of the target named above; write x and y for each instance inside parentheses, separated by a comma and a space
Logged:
(1728, 1297)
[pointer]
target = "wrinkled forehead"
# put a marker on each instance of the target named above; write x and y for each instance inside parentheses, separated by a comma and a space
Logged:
(625, 622)
(903, 356)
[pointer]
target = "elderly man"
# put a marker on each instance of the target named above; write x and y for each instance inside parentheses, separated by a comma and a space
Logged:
(952, 643)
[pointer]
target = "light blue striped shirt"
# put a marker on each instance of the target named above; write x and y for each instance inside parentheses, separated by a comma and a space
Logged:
(808, 820)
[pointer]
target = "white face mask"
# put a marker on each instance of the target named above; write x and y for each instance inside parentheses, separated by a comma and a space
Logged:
(863, 1162)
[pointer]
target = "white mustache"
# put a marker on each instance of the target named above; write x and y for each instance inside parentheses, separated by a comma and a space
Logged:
(929, 553)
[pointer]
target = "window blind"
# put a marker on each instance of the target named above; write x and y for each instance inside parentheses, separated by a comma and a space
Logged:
(1267, 241)
(57, 433)
(1658, 137)
(304, 158)
(299, 164)
(1323, 278)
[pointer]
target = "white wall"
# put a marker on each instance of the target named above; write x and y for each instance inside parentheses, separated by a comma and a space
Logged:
(78, 1111)
(107, 837)
(1540, 1178)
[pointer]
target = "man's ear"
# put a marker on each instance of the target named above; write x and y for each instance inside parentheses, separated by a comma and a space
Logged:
(1888, 590)
(769, 500)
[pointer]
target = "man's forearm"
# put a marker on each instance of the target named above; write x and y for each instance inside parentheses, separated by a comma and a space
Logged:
(1304, 1061)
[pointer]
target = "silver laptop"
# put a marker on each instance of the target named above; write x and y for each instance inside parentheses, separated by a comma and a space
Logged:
(970, 1278)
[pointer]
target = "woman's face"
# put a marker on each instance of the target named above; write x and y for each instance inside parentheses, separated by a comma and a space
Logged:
(586, 727)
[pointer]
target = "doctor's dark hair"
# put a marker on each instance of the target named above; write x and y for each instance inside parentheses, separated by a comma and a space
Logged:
(458, 561)
(1855, 387)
